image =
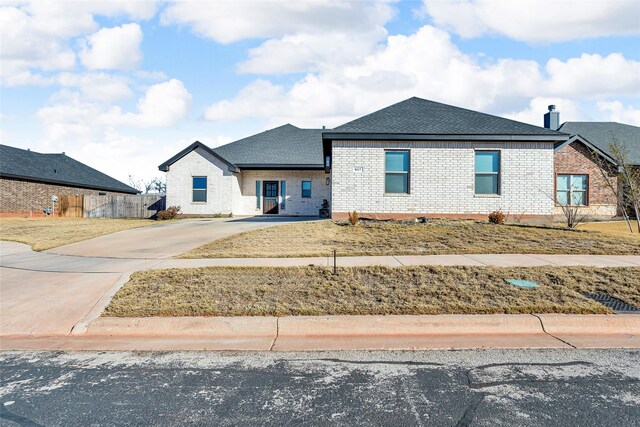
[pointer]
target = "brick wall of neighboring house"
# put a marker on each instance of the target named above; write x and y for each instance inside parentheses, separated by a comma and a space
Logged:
(576, 158)
(25, 198)
(442, 179)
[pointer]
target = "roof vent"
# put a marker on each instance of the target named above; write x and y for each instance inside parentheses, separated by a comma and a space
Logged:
(552, 107)
(324, 127)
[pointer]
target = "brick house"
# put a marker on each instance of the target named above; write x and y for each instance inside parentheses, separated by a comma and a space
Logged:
(414, 158)
(584, 167)
(28, 180)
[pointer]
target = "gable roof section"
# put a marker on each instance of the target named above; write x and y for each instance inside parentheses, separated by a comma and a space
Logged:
(602, 134)
(55, 169)
(285, 147)
(165, 166)
(417, 118)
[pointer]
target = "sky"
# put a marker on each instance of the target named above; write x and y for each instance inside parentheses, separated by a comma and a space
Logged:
(124, 85)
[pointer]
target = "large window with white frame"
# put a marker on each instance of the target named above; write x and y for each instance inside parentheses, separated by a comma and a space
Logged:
(571, 189)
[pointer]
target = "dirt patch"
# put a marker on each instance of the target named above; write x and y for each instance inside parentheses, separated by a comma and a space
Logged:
(261, 291)
(320, 238)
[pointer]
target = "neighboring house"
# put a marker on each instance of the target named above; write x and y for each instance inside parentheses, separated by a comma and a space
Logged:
(579, 178)
(414, 158)
(29, 179)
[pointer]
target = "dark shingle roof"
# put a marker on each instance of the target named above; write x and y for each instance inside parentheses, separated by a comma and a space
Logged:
(55, 169)
(602, 134)
(282, 146)
(422, 117)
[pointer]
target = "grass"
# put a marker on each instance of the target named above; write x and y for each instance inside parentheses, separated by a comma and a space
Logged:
(261, 291)
(613, 228)
(319, 238)
(47, 233)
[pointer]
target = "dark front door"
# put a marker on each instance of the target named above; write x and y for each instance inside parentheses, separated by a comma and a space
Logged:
(270, 202)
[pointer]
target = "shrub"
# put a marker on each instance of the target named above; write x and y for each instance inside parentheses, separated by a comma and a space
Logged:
(496, 217)
(353, 218)
(170, 213)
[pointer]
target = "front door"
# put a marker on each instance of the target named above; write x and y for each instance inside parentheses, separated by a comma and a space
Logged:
(270, 202)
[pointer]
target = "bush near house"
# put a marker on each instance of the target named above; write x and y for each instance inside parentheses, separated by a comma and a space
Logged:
(170, 213)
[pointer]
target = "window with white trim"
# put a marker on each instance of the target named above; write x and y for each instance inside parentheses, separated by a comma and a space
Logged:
(571, 190)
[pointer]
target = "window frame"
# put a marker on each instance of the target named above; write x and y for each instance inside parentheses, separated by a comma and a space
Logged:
(498, 173)
(570, 191)
(302, 190)
(258, 194)
(407, 172)
(194, 189)
(283, 194)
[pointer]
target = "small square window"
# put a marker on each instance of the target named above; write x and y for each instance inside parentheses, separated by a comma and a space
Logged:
(306, 189)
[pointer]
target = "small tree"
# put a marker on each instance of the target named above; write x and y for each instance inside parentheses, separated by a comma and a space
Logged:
(624, 174)
(572, 214)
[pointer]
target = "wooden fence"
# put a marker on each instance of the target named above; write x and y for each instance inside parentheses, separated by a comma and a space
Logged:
(69, 206)
(123, 206)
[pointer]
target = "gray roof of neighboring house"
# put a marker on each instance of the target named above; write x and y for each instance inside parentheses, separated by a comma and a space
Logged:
(55, 169)
(284, 145)
(602, 134)
(422, 117)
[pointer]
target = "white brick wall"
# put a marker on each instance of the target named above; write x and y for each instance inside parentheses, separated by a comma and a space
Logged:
(220, 182)
(235, 193)
(442, 178)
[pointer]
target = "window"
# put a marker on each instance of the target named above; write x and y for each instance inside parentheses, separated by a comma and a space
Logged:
(199, 189)
(571, 190)
(306, 189)
(396, 172)
(283, 192)
(487, 172)
(258, 185)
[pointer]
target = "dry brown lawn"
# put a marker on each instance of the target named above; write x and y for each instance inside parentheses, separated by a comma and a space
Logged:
(47, 233)
(613, 228)
(261, 291)
(320, 238)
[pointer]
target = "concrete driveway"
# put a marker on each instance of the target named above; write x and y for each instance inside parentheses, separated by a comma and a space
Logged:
(168, 239)
(47, 293)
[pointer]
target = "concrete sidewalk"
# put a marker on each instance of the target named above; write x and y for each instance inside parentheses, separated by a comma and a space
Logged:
(306, 333)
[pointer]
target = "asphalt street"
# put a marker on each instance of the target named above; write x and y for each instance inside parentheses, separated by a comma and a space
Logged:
(427, 388)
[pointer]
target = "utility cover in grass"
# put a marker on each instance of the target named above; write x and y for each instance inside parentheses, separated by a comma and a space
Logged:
(522, 283)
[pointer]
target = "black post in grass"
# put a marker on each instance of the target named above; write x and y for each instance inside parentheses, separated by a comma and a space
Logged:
(335, 263)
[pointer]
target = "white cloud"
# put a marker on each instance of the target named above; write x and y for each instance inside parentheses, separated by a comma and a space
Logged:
(537, 21)
(618, 113)
(594, 76)
(229, 22)
(162, 105)
(432, 67)
(302, 36)
(97, 86)
(36, 35)
(429, 65)
(113, 48)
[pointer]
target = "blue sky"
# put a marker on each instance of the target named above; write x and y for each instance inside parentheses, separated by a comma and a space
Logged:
(122, 86)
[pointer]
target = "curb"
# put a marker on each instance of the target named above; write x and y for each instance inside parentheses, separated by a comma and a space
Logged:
(214, 327)
(365, 326)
